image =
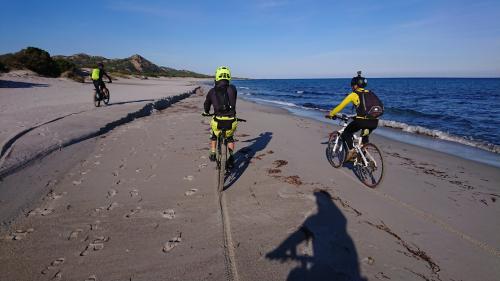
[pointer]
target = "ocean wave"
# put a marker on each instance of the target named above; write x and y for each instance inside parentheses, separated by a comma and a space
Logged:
(245, 88)
(439, 135)
(282, 103)
(315, 106)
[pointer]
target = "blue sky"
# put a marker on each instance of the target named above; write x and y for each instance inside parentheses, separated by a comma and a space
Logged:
(270, 39)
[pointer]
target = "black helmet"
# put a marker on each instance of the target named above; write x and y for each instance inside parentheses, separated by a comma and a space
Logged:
(100, 65)
(359, 81)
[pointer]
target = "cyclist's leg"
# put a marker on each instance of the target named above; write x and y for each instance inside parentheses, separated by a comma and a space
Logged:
(348, 133)
(96, 85)
(368, 126)
(102, 85)
(213, 139)
(230, 143)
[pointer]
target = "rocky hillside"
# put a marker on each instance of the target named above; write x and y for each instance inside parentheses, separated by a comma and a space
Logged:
(134, 65)
(41, 62)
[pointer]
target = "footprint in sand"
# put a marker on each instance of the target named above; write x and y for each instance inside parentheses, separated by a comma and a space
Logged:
(53, 265)
(74, 234)
(111, 193)
(172, 243)
(203, 165)
(191, 192)
(54, 196)
(78, 182)
(168, 214)
(134, 193)
(96, 245)
(91, 278)
(84, 172)
(19, 234)
(41, 212)
(133, 212)
(57, 276)
(189, 178)
(112, 206)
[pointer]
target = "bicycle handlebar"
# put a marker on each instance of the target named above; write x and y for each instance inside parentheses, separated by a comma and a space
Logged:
(341, 116)
(211, 114)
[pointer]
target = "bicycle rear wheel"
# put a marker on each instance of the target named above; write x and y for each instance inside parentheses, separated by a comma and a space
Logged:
(371, 174)
(105, 91)
(222, 159)
(336, 150)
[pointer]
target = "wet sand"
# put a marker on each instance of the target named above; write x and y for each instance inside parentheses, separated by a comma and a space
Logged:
(140, 203)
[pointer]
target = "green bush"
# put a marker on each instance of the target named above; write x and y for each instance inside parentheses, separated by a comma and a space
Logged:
(3, 68)
(34, 59)
(64, 65)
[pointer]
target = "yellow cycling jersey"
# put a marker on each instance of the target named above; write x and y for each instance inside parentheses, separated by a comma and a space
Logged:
(352, 97)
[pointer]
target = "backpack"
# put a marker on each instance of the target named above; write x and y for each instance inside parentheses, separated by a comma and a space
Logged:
(369, 105)
(223, 100)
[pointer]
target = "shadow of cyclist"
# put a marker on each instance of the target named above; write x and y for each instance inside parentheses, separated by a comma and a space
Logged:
(244, 155)
(321, 245)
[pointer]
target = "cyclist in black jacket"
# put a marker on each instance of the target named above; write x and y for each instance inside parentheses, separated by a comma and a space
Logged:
(223, 98)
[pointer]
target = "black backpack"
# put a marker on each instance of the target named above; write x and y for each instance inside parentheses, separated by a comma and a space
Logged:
(222, 97)
(369, 105)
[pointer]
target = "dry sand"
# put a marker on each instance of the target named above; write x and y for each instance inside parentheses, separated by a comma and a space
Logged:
(140, 203)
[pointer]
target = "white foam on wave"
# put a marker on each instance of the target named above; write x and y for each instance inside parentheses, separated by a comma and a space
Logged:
(439, 135)
(299, 92)
(245, 88)
(282, 103)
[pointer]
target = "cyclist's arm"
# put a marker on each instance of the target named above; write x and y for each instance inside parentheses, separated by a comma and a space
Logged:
(352, 97)
(106, 74)
(208, 102)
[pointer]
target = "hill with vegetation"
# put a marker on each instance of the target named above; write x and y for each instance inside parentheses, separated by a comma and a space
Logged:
(41, 62)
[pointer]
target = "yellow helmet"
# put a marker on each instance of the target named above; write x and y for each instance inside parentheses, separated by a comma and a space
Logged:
(222, 72)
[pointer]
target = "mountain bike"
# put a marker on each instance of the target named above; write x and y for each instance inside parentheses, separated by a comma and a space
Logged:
(368, 161)
(103, 96)
(221, 153)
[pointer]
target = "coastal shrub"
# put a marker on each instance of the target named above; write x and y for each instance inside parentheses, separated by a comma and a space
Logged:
(34, 59)
(75, 75)
(3, 68)
(64, 65)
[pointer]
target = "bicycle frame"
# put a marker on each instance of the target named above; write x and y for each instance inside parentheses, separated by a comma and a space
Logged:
(357, 141)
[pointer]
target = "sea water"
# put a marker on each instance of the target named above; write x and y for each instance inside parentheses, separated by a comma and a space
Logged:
(459, 116)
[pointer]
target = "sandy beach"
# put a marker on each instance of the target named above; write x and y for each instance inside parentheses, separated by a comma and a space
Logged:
(138, 201)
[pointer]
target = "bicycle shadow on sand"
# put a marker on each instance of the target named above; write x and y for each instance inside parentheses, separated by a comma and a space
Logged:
(321, 247)
(244, 155)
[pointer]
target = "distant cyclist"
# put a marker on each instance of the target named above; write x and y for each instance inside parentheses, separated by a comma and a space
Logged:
(96, 75)
(368, 109)
(223, 98)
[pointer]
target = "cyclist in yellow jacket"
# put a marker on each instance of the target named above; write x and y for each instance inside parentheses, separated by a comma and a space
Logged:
(362, 121)
(96, 76)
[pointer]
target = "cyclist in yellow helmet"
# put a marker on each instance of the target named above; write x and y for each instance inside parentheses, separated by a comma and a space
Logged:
(96, 75)
(223, 99)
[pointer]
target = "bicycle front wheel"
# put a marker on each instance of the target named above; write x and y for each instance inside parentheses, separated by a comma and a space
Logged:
(372, 171)
(105, 91)
(336, 150)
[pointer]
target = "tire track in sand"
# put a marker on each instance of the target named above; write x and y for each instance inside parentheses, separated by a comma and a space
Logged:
(229, 257)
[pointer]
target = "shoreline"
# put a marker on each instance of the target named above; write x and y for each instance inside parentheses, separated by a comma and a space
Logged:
(142, 198)
(450, 147)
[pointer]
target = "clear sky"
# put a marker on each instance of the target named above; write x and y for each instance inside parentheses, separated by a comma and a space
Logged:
(269, 38)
